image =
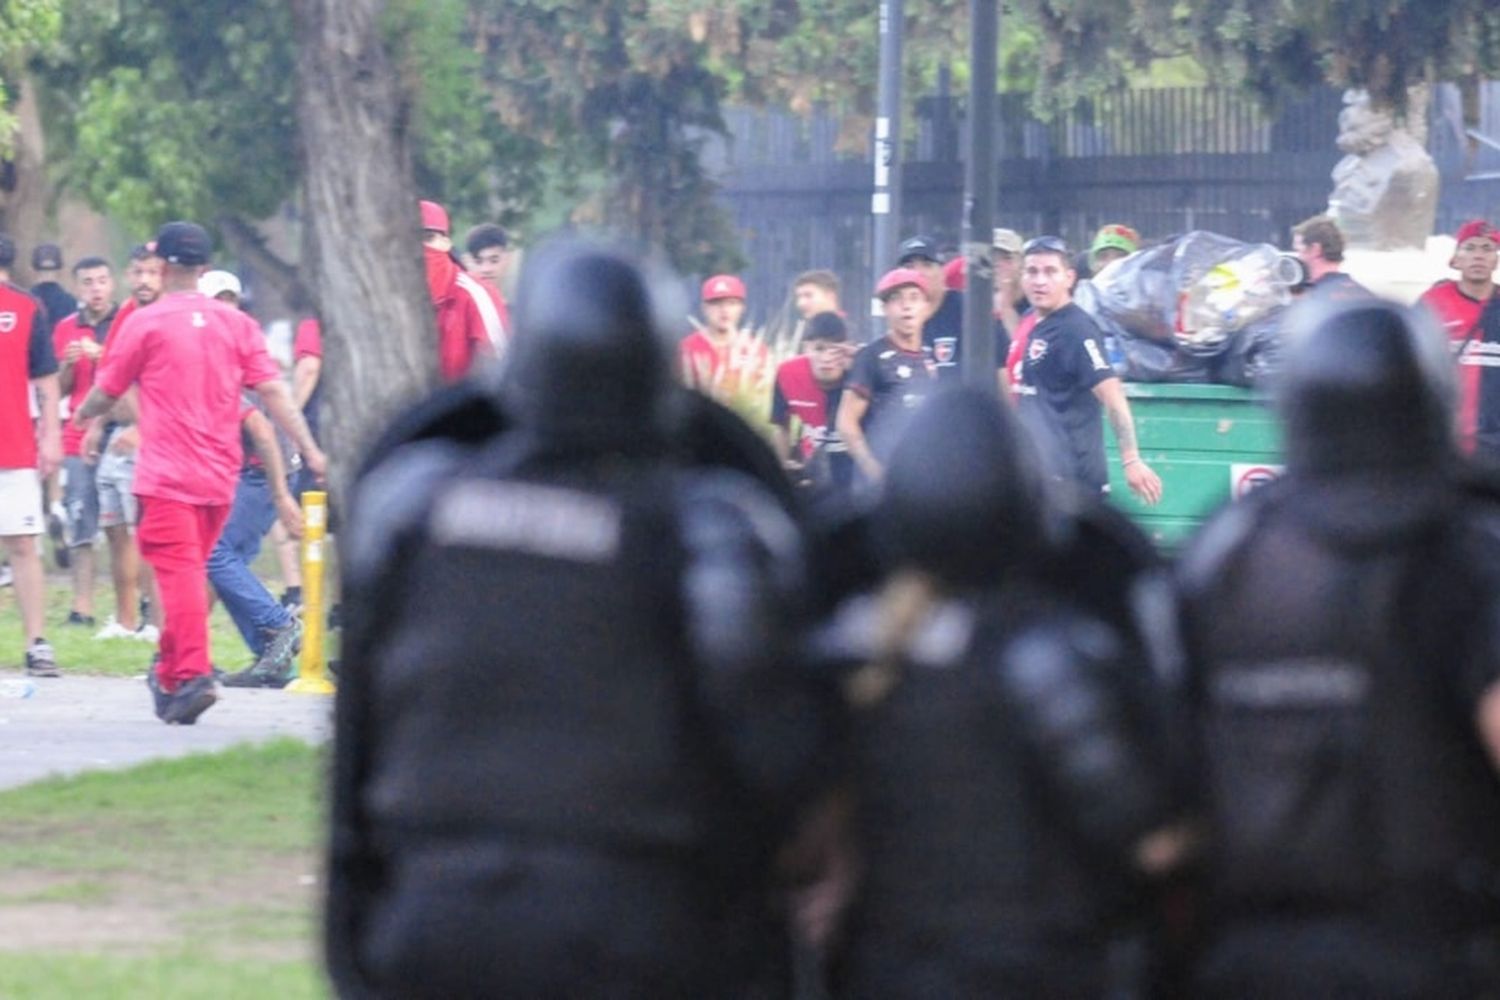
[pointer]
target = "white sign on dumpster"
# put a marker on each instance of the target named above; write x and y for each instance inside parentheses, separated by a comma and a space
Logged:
(1245, 477)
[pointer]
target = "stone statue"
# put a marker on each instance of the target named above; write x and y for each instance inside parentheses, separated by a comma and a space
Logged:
(1385, 190)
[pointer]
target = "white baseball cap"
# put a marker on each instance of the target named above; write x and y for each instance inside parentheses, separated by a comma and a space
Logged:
(215, 283)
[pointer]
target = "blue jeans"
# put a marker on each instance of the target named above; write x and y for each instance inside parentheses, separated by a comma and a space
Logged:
(246, 599)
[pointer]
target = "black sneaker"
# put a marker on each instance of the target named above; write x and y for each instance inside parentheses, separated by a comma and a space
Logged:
(158, 696)
(291, 599)
(75, 618)
(191, 699)
(41, 661)
(277, 664)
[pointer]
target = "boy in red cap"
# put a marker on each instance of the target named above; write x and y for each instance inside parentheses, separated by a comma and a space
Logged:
(717, 358)
(1462, 306)
(472, 320)
(889, 376)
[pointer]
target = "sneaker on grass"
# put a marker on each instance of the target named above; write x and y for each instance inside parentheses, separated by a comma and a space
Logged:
(41, 661)
(113, 630)
(78, 618)
(277, 664)
(147, 633)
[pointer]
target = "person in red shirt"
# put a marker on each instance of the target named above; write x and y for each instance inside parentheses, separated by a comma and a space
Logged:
(29, 453)
(805, 402)
(472, 320)
(190, 358)
(78, 341)
(719, 358)
(1459, 305)
(110, 445)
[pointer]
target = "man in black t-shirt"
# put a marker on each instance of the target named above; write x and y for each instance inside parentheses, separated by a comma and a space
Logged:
(1065, 380)
(890, 376)
(943, 330)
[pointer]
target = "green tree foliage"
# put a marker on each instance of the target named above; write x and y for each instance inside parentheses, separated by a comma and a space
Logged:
(1271, 47)
(622, 84)
(1383, 46)
(25, 26)
(169, 108)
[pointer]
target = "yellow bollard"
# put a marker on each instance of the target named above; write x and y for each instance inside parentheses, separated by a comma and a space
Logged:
(312, 670)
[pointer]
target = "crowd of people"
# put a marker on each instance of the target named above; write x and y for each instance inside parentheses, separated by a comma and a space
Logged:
(160, 428)
(621, 714)
(624, 713)
(838, 406)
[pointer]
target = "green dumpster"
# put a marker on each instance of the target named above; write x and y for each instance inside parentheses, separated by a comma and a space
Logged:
(1207, 442)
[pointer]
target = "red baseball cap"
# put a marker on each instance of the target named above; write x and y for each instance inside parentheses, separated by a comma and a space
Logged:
(434, 217)
(1476, 227)
(900, 278)
(723, 286)
(955, 275)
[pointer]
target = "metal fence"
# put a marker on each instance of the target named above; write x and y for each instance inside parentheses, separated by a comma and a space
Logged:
(1164, 161)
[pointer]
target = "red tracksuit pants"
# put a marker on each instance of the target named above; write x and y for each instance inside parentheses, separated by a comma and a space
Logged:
(176, 538)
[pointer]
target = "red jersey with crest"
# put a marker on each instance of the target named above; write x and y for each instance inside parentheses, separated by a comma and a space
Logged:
(1460, 314)
(799, 394)
(25, 353)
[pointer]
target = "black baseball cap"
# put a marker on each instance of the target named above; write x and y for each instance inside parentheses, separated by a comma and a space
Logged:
(46, 257)
(915, 247)
(826, 326)
(185, 243)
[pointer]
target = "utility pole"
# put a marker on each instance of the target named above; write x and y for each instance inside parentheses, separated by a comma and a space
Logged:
(885, 203)
(980, 182)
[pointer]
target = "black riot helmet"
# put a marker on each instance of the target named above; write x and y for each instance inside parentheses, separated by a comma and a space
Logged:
(590, 366)
(1367, 386)
(963, 499)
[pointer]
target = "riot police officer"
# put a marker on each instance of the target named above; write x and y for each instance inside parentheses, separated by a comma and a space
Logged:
(1341, 629)
(567, 740)
(1011, 791)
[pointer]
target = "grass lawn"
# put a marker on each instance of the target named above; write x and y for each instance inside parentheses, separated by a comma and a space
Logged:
(194, 877)
(79, 652)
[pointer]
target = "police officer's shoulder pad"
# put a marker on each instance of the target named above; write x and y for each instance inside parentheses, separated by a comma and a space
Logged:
(738, 503)
(1222, 535)
(393, 497)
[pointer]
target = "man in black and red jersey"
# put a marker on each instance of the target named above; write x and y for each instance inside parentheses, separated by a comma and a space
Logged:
(890, 376)
(1064, 381)
(78, 341)
(28, 452)
(1459, 305)
(808, 388)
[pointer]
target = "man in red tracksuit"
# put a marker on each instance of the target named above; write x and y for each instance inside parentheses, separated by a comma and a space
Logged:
(472, 320)
(1459, 306)
(190, 357)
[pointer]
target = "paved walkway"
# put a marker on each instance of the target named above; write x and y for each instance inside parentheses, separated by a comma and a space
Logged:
(73, 724)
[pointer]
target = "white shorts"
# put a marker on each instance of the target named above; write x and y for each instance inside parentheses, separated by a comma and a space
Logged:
(20, 503)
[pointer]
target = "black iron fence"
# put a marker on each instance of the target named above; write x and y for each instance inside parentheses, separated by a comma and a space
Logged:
(1164, 161)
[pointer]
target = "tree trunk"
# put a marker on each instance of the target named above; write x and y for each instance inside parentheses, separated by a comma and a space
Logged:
(26, 207)
(362, 246)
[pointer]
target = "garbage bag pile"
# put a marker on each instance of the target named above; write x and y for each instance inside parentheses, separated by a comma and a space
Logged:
(1197, 308)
